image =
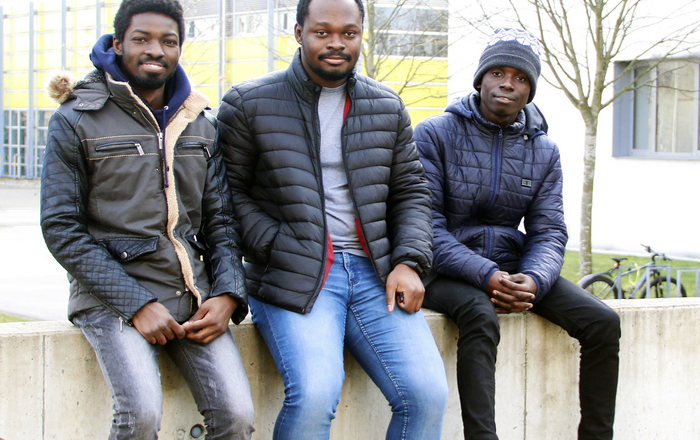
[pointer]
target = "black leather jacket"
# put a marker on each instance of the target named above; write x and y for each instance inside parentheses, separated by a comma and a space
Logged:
(125, 237)
(268, 130)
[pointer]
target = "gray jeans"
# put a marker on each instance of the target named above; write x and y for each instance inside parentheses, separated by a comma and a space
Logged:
(214, 372)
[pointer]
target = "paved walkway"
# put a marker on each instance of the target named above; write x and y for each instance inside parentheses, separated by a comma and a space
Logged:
(35, 285)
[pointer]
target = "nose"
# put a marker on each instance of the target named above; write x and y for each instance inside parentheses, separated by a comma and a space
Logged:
(336, 43)
(507, 82)
(155, 49)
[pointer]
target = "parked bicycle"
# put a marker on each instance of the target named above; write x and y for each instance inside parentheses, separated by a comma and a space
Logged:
(650, 280)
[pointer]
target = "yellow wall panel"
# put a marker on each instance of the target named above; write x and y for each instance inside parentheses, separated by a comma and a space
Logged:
(48, 60)
(48, 22)
(19, 43)
(253, 47)
(249, 69)
(17, 62)
(49, 41)
(197, 51)
(419, 115)
(17, 99)
(18, 82)
(203, 75)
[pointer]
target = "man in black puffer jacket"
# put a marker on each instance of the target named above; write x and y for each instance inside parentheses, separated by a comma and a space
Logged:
(135, 206)
(490, 165)
(335, 212)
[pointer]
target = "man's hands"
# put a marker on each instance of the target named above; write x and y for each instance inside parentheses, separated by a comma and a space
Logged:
(211, 320)
(404, 282)
(511, 293)
(155, 323)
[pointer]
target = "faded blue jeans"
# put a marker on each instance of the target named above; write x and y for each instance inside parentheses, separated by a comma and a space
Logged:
(214, 373)
(396, 350)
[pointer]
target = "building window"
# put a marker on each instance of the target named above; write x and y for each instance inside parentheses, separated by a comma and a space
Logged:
(15, 150)
(660, 117)
(406, 31)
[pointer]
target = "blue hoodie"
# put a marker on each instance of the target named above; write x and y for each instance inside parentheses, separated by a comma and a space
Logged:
(177, 89)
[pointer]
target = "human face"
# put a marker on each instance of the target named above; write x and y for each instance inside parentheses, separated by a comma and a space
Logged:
(504, 92)
(330, 41)
(150, 52)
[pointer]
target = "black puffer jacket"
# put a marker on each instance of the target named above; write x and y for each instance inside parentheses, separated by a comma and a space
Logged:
(486, 179)
(124, 237)
(268, 129)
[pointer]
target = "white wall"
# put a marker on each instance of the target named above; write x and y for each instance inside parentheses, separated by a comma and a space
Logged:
(654, 202)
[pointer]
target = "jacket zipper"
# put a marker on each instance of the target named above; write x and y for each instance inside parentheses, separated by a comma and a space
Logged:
(196, 145)
(496, 170)
(120, 146)
(316, 148)
(161, 137)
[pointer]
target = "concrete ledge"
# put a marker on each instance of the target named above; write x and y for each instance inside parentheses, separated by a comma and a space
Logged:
(51, 386)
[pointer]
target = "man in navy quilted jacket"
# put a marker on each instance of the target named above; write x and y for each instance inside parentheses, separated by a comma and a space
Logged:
(491, 166)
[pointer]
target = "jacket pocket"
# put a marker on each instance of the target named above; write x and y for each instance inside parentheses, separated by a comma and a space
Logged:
(127, 248)
(189, 148)
(127, 147)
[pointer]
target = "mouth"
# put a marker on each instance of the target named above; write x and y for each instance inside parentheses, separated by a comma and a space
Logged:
(503, 98)
(335, 59)
(153, 66)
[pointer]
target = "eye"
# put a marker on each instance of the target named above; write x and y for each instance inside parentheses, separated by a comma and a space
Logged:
(321, 33)
(171, 42)
(350, 34)
(497, 73)
(521, 78)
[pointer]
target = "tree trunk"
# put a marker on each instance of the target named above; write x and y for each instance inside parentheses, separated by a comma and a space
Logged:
(585, 261)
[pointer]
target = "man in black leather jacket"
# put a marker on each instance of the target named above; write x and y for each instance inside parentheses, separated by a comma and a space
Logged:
(491, 166)
(335, 214)
(135, 206)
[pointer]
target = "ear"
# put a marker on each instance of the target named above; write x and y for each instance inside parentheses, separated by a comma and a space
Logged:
(117, 46)
(297, 32)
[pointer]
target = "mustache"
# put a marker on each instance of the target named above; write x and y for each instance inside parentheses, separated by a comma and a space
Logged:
(149, 59)
(335, 54)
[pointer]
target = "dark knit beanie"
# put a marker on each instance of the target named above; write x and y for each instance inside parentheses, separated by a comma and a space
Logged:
(514, 48)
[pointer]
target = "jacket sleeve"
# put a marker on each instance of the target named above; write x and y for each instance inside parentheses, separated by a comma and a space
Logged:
(237, 142)
(221, 234)
(546, 236)
(64, 193)
(408, 204)
(452, 258)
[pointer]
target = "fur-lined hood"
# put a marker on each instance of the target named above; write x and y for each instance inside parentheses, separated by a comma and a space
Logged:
(61, 86)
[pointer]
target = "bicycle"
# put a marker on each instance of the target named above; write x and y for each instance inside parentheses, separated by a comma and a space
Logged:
(609, 284)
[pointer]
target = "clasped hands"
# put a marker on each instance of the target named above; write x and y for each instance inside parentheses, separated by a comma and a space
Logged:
(156, 324)
(511, 293)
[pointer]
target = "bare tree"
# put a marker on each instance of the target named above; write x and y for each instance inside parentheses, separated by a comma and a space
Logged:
(403, 40)
(581, 40)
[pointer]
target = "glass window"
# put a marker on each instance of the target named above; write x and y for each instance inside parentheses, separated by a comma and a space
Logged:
(660, 115)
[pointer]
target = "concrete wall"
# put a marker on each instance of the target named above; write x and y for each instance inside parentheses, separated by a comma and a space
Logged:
(51, 386)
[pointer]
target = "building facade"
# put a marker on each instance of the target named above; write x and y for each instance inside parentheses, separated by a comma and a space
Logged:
(227, 41)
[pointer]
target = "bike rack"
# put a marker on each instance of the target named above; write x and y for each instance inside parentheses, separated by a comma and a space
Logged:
(689, 270)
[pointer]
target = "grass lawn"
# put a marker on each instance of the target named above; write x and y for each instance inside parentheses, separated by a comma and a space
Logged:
(602, 262)
(8, 318)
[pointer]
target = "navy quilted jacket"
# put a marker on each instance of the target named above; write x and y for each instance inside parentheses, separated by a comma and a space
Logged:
(485, 180)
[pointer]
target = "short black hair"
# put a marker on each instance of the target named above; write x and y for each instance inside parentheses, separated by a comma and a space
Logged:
(129, 8)
(303, 11)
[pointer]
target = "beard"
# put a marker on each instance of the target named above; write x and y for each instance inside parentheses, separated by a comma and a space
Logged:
(150, 81)
(332, 75)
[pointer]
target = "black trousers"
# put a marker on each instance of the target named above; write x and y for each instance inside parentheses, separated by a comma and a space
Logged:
(582, 315)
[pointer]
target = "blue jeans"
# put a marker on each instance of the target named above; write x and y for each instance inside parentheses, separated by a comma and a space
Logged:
(214, 372)
(396, 350)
